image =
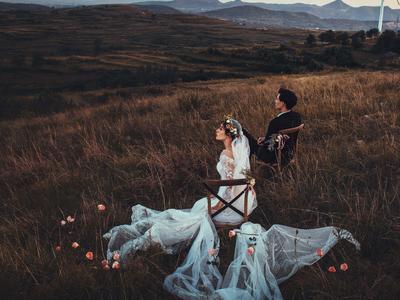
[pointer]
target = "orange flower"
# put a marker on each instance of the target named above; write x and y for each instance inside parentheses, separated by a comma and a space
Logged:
(232, 233)
(344, 267)
(116, 255)
(89, 255)
(320, 253)
(250, 251)
(101, 207)
(332, 269)
(58, 248)
(116, 265)
(75, 245)
(212, 251)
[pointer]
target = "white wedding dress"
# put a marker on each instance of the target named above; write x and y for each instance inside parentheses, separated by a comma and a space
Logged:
(172, 228)
(279, 251)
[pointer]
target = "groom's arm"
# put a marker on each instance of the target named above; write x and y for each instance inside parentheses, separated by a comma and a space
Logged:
(272, 128)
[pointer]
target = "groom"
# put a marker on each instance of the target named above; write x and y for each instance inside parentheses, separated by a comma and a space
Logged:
(264, 147)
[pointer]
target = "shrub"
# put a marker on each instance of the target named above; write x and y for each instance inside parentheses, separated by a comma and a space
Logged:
(372, 32)
(356, 42)
(342, 38)
(311, 40)
(327, 36)
(339, 56)
(386, 41)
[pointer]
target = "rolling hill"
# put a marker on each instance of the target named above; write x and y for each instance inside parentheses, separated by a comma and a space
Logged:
(258, 17)
(6, 6)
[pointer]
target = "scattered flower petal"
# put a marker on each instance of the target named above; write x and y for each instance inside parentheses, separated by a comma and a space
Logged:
(101, 207)
(332, 269)
(104, 263)
(116, 255)
(89, 255)
(344, 267)
(116, 265)
(250, 251)
(232, 233)
(75, 245)
(320, 253)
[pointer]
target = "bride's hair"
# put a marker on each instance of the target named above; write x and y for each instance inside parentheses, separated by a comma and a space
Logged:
(232, 127)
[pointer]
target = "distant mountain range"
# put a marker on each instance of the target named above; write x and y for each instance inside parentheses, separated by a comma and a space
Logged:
(258, 17)
(4, 6)
(161, 9)
(334, 10)
(336, 15)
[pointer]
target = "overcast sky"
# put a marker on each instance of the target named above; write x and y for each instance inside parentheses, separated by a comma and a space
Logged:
(391, 3)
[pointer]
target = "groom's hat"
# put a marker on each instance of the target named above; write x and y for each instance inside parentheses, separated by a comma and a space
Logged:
(288, 97)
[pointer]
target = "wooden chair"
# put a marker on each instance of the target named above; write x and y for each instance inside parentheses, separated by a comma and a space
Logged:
(278, 152)
(211, 184)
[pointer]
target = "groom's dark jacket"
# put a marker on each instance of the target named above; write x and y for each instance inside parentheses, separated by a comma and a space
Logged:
(283, 121)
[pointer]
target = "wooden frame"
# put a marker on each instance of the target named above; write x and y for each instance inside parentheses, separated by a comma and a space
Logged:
(289, 131)
(210, 184)
(279, 151)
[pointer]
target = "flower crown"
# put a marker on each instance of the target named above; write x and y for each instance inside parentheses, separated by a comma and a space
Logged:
(230, 126)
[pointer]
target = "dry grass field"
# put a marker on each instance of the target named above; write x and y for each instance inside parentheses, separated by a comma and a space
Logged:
(156, 149)
(81, 56)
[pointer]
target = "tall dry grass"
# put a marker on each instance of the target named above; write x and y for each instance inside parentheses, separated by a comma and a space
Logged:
(156, 150)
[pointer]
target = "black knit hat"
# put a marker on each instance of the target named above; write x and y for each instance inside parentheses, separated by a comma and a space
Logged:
(288, 97)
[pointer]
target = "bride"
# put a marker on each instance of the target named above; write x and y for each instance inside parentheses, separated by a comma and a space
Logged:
(276, 254)
(173, 228)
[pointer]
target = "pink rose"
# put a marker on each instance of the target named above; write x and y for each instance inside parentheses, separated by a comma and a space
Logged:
(58, 248)
(75, 245)
(89, 255)
(332, 269)
(116, 265)
(70, 219)
(116, 255)
(250, 250)
(104, 263)
(320, 253)
(101, 207)
(63, 222)
(344, 267)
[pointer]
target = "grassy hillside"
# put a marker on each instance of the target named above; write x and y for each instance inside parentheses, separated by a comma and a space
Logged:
(62, 59)
(155, 150)
(93, 47)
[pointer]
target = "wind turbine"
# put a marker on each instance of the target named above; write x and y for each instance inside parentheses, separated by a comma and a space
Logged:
(381, 16)
(380, 25)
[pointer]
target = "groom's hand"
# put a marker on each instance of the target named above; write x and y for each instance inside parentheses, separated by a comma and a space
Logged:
(260, 140)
